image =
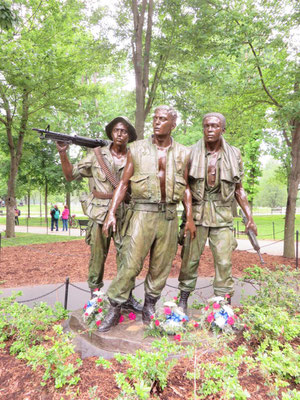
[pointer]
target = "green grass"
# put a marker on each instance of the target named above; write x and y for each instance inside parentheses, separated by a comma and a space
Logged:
(24, 239)
(266, 224)
(35, 221)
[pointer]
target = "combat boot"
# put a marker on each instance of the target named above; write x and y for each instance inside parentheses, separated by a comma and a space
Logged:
(183, 301)
(149, 308)
(132, 305)
(112, 318)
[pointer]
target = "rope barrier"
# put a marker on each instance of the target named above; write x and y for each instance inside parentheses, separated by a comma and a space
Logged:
(44, 295)
(79, 288)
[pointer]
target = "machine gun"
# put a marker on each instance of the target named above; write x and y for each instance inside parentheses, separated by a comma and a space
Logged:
(252, 237)
(79, 140)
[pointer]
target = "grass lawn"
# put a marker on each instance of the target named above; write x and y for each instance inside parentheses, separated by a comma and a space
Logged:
(23, 239)
(35, 221)
(268, 226)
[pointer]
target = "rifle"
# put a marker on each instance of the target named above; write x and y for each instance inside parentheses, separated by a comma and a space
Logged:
(252, 237)
(79, 140)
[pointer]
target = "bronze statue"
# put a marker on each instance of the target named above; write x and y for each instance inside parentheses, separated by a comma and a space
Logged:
(215, 179)
(104, 166)
(157, 171)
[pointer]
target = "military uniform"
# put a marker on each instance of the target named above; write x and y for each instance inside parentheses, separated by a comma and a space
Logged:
(96, 209)
(212, 214)
(150, 224)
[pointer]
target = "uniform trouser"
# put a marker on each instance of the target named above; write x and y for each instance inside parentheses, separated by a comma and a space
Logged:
(99, 249)
(147, 230)
(221, 243)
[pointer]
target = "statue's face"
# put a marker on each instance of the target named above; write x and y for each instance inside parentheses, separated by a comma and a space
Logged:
(120, 134)
(213, 129)
(163, 123)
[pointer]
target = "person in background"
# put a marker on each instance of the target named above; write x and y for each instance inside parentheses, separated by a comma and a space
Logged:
(55, 213)
(17, 213)
(64, 217)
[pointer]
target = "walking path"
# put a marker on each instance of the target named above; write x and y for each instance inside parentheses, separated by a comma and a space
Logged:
(272, 247)
(79, 293)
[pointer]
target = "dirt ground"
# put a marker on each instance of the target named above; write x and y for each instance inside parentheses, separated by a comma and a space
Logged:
(52, 263)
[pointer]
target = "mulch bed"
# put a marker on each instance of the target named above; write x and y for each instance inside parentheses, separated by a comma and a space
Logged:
(52, 263)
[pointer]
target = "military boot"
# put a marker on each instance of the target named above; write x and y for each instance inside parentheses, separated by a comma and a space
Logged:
(112, 317)
(132, 304)
(183, 301)
(149, 308)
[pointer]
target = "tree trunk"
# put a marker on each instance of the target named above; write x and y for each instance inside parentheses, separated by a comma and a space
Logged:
(11, 202)
(15, 158)
(293, 184)
(28, 205)
(46, 200)
(68, 199)
(41, 204)
(141, 58)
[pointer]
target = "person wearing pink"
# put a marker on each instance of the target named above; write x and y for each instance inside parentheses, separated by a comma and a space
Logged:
(65, 217)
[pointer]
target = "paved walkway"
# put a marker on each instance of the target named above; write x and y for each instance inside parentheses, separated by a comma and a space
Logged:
(272, 247)
(78, 292)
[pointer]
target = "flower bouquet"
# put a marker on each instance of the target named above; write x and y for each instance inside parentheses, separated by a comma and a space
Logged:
(168, 320)
(218, 315)
(95, 309)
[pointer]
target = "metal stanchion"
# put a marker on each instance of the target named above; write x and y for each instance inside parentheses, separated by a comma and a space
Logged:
(0, 245)
(238, 229)
(273, 230)
(297, 249)
(27, 224)
(66, 292)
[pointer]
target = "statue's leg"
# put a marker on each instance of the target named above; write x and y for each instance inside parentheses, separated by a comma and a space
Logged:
(191, 253)
(99, 250)
(221, 244)
(135, 246)
(162, 253)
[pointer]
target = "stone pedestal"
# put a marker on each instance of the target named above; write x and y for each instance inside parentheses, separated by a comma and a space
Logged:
(127, 337)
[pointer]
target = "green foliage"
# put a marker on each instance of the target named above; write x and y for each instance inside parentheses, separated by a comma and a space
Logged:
(53, 358)
(222, 376)
(291, 395)
(8, 17)
(148, 371)
(279, 359)
(276, 288)
(27, 326)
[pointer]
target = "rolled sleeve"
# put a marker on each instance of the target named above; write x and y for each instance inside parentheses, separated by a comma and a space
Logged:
(83, 169)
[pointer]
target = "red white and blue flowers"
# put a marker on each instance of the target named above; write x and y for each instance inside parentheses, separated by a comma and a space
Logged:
(219, 314)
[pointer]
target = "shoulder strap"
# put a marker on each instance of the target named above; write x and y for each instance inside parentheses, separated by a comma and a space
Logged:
(109, 174)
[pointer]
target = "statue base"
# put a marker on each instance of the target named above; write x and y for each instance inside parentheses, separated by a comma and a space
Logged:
(126, 337)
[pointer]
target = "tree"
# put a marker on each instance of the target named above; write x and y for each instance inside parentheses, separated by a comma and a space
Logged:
(40, 71)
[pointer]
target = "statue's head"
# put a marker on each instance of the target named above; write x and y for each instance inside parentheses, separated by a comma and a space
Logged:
(132, 136)
(213, 128)
(220, 117)
(164, 120)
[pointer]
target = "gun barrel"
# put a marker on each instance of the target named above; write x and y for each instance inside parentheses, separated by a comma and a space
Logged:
(78, 140)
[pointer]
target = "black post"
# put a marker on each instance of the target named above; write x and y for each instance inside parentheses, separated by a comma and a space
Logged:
(66, 292)
(273, 230)
(297, 249)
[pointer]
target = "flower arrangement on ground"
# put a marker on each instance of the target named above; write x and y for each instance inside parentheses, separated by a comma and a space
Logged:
(219, 315)
(95, 309)
(168, 320)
